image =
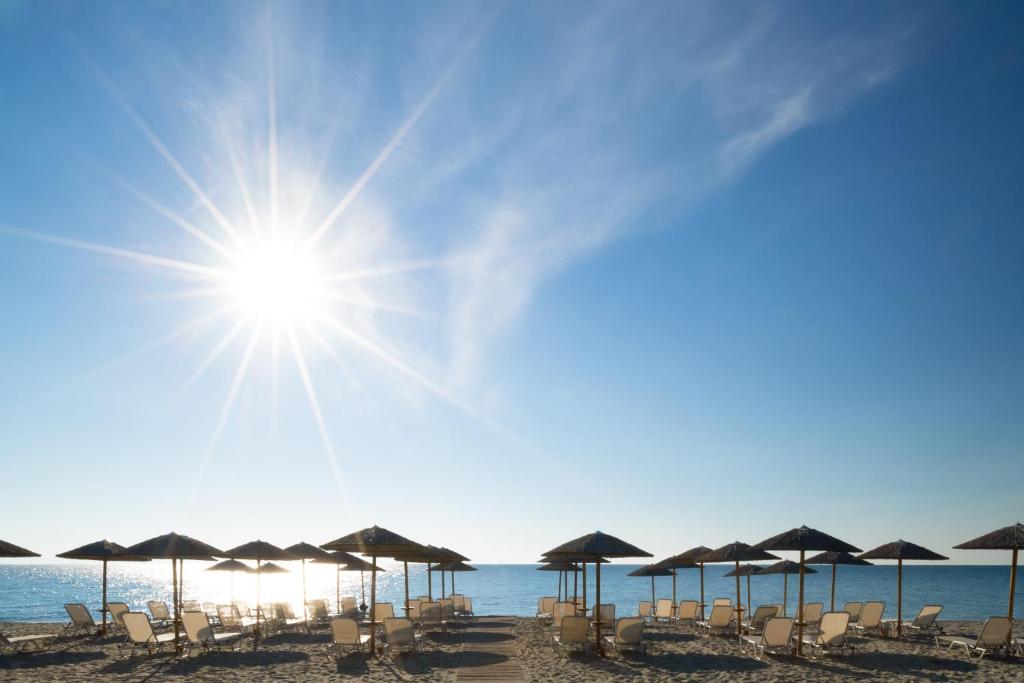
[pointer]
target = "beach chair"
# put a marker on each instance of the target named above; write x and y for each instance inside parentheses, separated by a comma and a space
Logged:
(721, 601)
(561, 609)
(719, 621)
(430, 616)
(21, 644)
(345, 634)
(81, 619)
(318, 614)
(231, 619)
(994, 636)
(572, 632)
(467, 608)
(546, 608)
(775, 638)
(141, 633)
(629, 634)
(414, 611)
(687, 611)
(201, 634)
(457, 602)
(643, 610)
(161, 616)
(811, 615)
(116, 609)
(399, 632)
(663, 610)
(831, 635)
(285, 617)
(870, 617)
(853, 609)
(447, 609)
(349, 608)
(923, 623)
(383, 610)
(755, 624)
(190, 605)
(607, 612)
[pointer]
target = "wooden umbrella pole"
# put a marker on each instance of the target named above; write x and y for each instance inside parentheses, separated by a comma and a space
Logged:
(575, 588)
(832, 608)
(103, 605)
(748, 595)
(452, 574)
(785, 589)
(362, 586)
(899, 597)
(337, 588)
(373, 604)
(430, 589)
(305, 610)
(1013, 589)
(800, 610)
(584, 588)
(174, 599)
(565, 579)
(405, 566)
(559, 589)
(673, 588)
(702, 591)
(739, 605)
(442, 584)
(259, 607)
(597, 612)
(652, 592)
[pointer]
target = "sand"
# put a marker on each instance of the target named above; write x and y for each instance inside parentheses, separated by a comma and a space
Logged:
(674, 654)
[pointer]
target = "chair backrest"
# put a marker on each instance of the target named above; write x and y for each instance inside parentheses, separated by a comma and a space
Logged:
(663, 609)
(139, 629)
(197, 627)
(762, 614)
(191, 605)
(995, 632)
(79, 614)
(430, 613)
(721, 601)
(467, 604)
(853, 609)
(812, 612)
(871, 614)
(316, 609)
(573, 629)
(447, 608)
(832, 628)
(116, 609)
(644, 608)
(229, 616)
(383, 610)
(560, 610)
(458, 601)
(399, 631)
(778, 610)
(159, 610)
(777, 632)
(414, 609)
(348, 604)
(546, 605)
(629, 630)
(721, 615)
(688, 609)
(927, 616)
(607, 612)
(344, 631)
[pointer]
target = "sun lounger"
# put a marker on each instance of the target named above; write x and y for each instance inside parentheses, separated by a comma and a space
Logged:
(775, 637)
(399, 632)
(467, 608)
(870, 617)
(721, 601)
(629, 635)
(831, 635)
(201, 634)
(116, 609)
(430, 616)
(231, 619)
(755, 624)
(607, 612)
(161, 616)
(993, 637)
(853, 609)
(643, 610)
(81, 619)
(317, 612)
(811, 615)
(141, 634)
(719, 621)
(687, 611)
(285, 617)
(924, 623)
(345, 634)
(663, 610)
(21, 644)
(572, 632)
(546, 608)
(349, 607)
(561, 609)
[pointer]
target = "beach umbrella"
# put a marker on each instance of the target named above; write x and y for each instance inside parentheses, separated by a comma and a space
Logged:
(307, 551)
(560, 566)
(594, 547)
(582, 561)
(1008, 538)
(231, 566)
(651, 571)
(692, 558)
(899, 551)
(375, 542)
(448, 555)
(358, 564)
(339, 559)
(425, 554)
(803, 539)
(786, 567)
(746, 570)
(177, 548)
(102, 551)
(737, 552)
(11, 550)
(834, 557)
(674, 563)
(260, 552)
(452, 568)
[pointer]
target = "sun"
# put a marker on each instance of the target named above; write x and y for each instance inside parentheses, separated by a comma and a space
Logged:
(275, 282)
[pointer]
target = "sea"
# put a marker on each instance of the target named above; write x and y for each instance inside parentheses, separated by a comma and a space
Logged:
(38, 592)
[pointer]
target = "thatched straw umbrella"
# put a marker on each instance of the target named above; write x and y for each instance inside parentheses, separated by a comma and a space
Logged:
(448, 555)
(259, 551)
(737, 552)
(803, 539)
(582, 561)
(231, 566)
(692, 558)
(358, 564)
(746, 570)
(594, 547)
(833, 558)
(102, 551)
(560, 566)
(452, 568)
(424, 554)
(307, 551)
(899, 551)
(338, 559)
(375, 542)
(1008, 538)
(176, 548)
(11, 550)
(651, 571)
(675, 563)
(786, 567)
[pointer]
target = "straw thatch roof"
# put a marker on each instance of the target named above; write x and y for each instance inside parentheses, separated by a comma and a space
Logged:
(787, 567)
(423, 553)
(337, 557)
(102, 550)
(260, 550)
(271, 568)
(836, 558)
(558, 566)
(901, 550)
(308, 551)
(1007, 538)
(11, 550)
(805, 538)
(453, 556)
(231, 566)
(745, 570)
(651, 570)
(358, 564)
(595, 545)
(737, 552)
(453, 567)
(174, 546)
(373, 540)
(676, 562)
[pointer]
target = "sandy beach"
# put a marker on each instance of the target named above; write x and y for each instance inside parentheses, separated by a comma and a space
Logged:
(674, 654)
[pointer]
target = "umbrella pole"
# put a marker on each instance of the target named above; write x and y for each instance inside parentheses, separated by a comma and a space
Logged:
(231, 586)
(673, 587)
(362, 585)
(559, 589)
(702, 591)
(800, 608)
(832, 608)
(748, 594)
(259, 607)
(373, 603)
(597, 613)
(430, 589)
(442, 584)
(575, 587)
(103, 629)
(452, 574)
(405, 566)
(174, 599)
(899, 597)
(785, 589)
(652, 591)
(739, 605)
(337, 588)
(305, 611)
(584, 587)
(1013, 589)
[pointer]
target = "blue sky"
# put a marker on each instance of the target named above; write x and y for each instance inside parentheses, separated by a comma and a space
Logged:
(684, 272)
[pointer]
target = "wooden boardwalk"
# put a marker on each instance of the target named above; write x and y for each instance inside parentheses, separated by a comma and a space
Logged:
(489, 653)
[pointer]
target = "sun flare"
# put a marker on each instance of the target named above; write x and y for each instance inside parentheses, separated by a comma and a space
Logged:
(275, 282)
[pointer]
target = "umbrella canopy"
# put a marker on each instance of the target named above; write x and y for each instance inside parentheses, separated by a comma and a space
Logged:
(786, 567)
(11, 550)
(652, 571)
(102, 551)
(1008, 538)
(674, 563)
(271, 568)
(592, 548)
(307, 551)
(834, 557)
(338, 558)
(259, 551)
(689, 559)
(559, 566)
(423, 554)
(231, 566)
(746, 570)
(358, 564)
(899, 551)
(737, 552)
(452, 555)
(452, 568)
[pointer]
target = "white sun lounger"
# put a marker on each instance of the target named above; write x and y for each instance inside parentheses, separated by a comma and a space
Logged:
(775, 637)
(22, 643)
(629, 634)
(345, 634)
(993, 637)
(831, 635)
(399, 632)
(870, 617)
(572, 632)
(141, 634)
(81, 619)
(719, 621)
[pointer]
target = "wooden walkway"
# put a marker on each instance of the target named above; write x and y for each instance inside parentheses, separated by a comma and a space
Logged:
(489, 653)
